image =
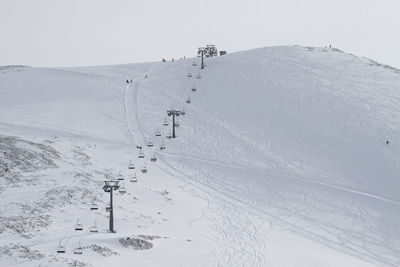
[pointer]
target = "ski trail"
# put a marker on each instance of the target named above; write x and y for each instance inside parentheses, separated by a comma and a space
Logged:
(126, 112)
(239, 246)
(297, 178)
(365, 194)
(241, 249)
(265, 215)
(238, 233)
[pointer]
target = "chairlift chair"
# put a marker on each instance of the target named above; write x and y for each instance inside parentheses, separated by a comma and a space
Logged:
(144, 169)
(78, 250)
(120, 177)
(177, 123)
(78, 226)
(60, 248)
(141, 154)
(153, 158)
(169, 135)
(189, 75)
(131, 165)
(194, 64)
(188, 101)
(165, 123)
(158, 133)
(94, 206)
(162, 147)
(134, 179)
(122, 189)
(108, 208)
(183, 112)
(93, 228)
(194, 89)
(150, 144)
(198, 76)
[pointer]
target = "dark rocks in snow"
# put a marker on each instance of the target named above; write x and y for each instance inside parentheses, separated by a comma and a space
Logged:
(164, 193)
(21, 156)
(374, 63)
(104, 251)
(136, 243)
(25, 225)
(19, 252)
(61, 196)
(81, 156)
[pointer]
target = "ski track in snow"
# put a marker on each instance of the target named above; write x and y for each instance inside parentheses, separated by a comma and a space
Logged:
(298, 178)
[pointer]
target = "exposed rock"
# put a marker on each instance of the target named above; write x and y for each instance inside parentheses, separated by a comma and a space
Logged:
(102, 250)
(18, 252)
(136, 243)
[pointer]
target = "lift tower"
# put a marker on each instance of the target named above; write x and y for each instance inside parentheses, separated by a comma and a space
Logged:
(173, 113)
(202, 51)
(109, 187)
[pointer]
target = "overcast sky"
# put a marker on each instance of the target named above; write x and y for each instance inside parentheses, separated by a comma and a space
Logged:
(94, 32)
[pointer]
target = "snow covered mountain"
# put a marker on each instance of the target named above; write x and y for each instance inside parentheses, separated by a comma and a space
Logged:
(280, 160)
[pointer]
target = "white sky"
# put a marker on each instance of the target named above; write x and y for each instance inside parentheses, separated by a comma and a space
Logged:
(93, 32)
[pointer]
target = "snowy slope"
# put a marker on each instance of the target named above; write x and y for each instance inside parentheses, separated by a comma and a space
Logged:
(280, 160)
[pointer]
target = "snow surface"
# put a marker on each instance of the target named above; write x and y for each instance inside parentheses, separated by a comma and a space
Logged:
(280, 160)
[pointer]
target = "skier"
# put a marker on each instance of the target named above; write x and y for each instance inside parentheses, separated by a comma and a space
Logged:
(387, 142)
(163, 60)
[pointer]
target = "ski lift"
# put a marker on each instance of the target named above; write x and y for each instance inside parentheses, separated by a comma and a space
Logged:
(122, 189)
(78, 250)
(169, 135)
(94, 206)
(133, 178)
(144, 169)
(165, 123)
(198, 76)
(158, 132)
(78, 226)
(194, 89)
(194, 64)
(150, 144)
(189, 75)
(93, 228)
(188, 101)
(60, 248)
(177, 123)
(131, 166)
(153, 158)
(162, 147)
(141, 154)
(120, 177)
(108, 208)
(183, 112)
(139, 147)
